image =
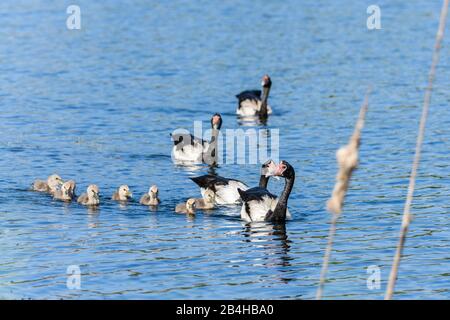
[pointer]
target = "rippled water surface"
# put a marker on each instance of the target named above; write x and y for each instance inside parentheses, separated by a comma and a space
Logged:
(97, 105)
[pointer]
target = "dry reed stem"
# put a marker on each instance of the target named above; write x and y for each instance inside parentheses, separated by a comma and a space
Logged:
(347, 159)
(412, 179)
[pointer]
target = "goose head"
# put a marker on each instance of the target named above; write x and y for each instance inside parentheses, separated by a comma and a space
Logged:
(68, 189)
(153, 192)
(54, 181)
(70, 186)
(216, 121)
(93, 192)
(285, 170)
(124, 192)
(190, 205)
(266, 82)
(269, 168)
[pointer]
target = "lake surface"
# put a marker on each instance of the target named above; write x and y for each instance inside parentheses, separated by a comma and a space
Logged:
(97, 105)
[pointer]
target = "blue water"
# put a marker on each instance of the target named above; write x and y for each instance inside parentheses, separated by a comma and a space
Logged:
(97, 105)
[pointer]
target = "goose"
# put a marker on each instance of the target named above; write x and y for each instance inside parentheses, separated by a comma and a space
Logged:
(261, 205)
(123, 193)
(151, 197)
(253, 103)
(67, 191)
(188, 148)
(91, 197)
(51, 185)
(225, 189)
(188, 207)
(207, 202)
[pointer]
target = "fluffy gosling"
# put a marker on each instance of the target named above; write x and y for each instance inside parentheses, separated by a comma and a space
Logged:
(150, 198)
(66, 192)
(207, 202)
(122, 194)
(91, 197)
(188, 207)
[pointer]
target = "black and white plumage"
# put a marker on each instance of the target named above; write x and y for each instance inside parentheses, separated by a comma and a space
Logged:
(261, 205)
(225, 190)
(188, 148)
(254, 102)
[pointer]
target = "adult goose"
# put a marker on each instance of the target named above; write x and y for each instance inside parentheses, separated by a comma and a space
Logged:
(225, 189)
(261, 205)
(254, 102)
(186, 147)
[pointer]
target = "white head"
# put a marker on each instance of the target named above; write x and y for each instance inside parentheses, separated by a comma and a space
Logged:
(124, 192)
(153, 191)
(54, 181)
(190, 204)
(68, 188)
(269, 168)
(72, 187)
(93, 192)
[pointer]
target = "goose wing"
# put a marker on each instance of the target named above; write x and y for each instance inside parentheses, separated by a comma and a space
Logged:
(180, 140)
(210, 181)
(255, 194)
(249, 95)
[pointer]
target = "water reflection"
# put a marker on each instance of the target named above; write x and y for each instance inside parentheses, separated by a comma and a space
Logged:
(274, 239)
(251, 121)
(92, 217)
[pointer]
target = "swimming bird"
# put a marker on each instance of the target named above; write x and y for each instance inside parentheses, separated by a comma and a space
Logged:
(253, 103)
(261, 205)
(66, 192)
(123, 193)
(226, 190)
(91, 197)
(52, 184)
(188, 207)
(207, 202)
(188, 148)
(151, 197)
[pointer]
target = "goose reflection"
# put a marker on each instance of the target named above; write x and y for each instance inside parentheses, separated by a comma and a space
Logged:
(92, 217)
(251, 121)
(274, 239)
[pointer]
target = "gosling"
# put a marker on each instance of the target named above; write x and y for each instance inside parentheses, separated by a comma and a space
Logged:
(122, 194)
(207, 202)
(67, 191)
(91, 197)
(52, 184)
(150, 198)
(188, 207)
